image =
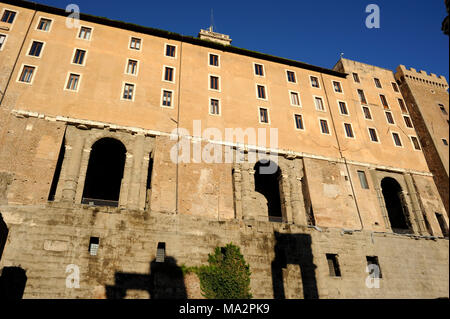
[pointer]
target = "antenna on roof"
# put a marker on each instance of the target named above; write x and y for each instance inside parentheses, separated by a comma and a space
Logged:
(211, 26)
(342, 54)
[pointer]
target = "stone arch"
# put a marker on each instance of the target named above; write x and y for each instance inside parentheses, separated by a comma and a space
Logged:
(267, 183)
(396, 205)
(104, 172)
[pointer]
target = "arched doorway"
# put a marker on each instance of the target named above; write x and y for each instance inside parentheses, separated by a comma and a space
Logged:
(395, 205)
(268, 184)
(104, 173)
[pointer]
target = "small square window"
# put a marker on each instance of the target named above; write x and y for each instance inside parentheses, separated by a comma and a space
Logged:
(2, 40)
(85, 33)
(363, 179)
(377, 83)
(27, 74)
(373, 135)
(319, 104)
(170, 50)
(72, 83)
(259, 69)
(389, 118)
(214, 82)
(343, 108)
(299, 122)
(395, 87)
(167, 98)
(372, 262)
(79, 56)
(416, 143)
(44, 24)
(214, 107)
(135, 43)
(295, 99)
(8, 16)
(291, 76)
(36, 48)
(367, 114)
(168, 74)
(333, 265)
(324, 127)
(261, 92)
(337, 86)
(132, 67)
(397, 140)
(128, 91)
(263, 115)
(314, 82)
(213, 59)
(356, 77)
(362, 96)
(348, 130)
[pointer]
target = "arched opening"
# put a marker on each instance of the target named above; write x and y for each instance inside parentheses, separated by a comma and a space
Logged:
(104, 173)
(395, 205)
(267, 182)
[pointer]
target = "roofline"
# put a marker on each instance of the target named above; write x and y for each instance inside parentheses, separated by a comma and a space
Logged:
(173, 36)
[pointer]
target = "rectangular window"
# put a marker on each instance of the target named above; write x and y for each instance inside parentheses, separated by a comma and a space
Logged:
(214, 82)
(442, 224)
(85, 33)
(374, 267)
(389, 118)
(261, 92)
(290, 76)
(167, 98)
(377, 83)
(168, 74)
(333, 265)
(72, 83)
(214, 107)
(94, 244)
(8, 16)
(44, 24)
(295, 100)
(337, 86)
(395, 87)
(135, 44)
(408, 122)
(132, 67)
(362, 97)
(416, 143)
(36, 48)
(367, 113)
(259, 69)
(343, 108)
(356, 77)
(299, 122)
(384, 101)
(373, 135)
(319, 104)
(263, 115)
(402, 106)
(170, 50)
(2, 40)
(396, 138)
(214, 60)
(27, 74)
(128, 91)
(363, 179)
(314, 82)
(79, 56)
(324, 127)
(349, 130)
(444, 141)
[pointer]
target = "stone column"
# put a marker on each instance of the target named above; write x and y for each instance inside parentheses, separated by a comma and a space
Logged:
(73, 157)
(376, 183)
(237, 191)
(247, 212)
(136, 173)
(125, 185)
(297, 198)
(285, 197)
(418, 223)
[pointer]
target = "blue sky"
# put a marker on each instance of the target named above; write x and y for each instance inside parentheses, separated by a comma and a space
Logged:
(314, 32)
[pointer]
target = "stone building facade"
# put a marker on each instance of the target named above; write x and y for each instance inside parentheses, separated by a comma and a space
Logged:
(101, 128)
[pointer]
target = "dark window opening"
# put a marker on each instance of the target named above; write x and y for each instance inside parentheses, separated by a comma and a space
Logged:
(94, 243)
(57, 174)
(363, 180)
(333, 265)
(149, 182)
(395, 205)
(161, 252)
(104, 174)
(442, 224)
(269, 186)
(373, 260)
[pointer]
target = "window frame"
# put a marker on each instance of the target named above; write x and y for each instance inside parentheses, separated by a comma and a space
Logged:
(39, 21)
(418, 142)
(357, 79)
(298, 96)
(124, 83)
(127, 64)
(323, 103)
(386, 107)
(165, 50)
(346, 107)
(287, 76)
(344, 124)
(219, 106)
(209, 60)
(172, 98)
(33, 76)
(219, 82)
(259, 115)
(320, 126)
(4, 41)
(311, 82)
(130, 41)
(164, 74)
(377, 82)
(395, 87)
(302, 121)
(387, 119)
(263, 70)
(266, 92)
(376, 133)
(359, 97)
(399, 138)
(15, 16)
(31, 45)
(84, 59)
(67, 82)
(366, 181)
(340, 85)
(406, 124)
(364, 113)
(87, 27)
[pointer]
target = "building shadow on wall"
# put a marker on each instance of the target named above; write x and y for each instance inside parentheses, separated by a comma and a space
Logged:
(294, 249)
(12, 283)
(165, 281)
(3, 235)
